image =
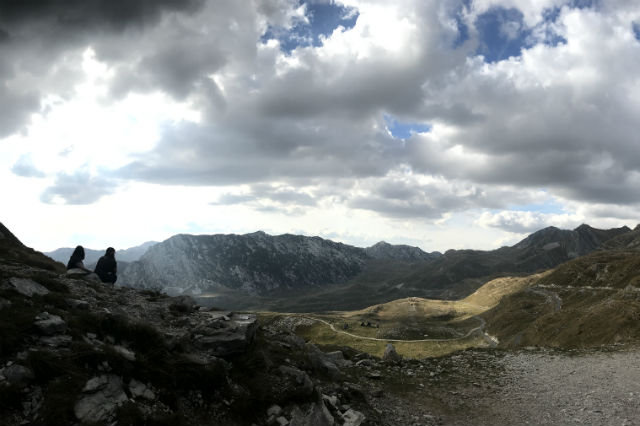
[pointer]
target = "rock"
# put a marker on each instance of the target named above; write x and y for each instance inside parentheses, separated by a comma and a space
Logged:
(390, 354)
(353, 418)
(305, 385)
(50, 324)
(274, 410)
(77, 304)
(232, 337)
(282, 421)
(102, 395)
(4, 303)
(84, 275)
(364, 363)
(125, 353)
(338, 359)
(183, 305)
(322, 363)
(27, 287)
(18, 375)
(61, 340)
(140, 390)
(315, 415)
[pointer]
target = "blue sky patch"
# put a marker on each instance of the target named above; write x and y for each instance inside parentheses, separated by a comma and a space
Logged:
(400, 130)
(324, 17)
(635, 27)
(502, 33)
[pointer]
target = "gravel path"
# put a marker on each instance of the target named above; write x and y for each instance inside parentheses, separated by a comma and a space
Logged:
(549, 388)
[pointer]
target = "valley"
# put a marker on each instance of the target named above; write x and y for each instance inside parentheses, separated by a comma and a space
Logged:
(556, 346)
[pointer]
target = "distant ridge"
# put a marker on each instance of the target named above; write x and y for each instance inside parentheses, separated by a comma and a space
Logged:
(91, 255)
(256, 263)
(298, 273)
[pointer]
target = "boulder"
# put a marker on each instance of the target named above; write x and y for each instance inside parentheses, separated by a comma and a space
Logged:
(77, 304)
(183, 305)
(27, 287)
(140, 390)
(49, 325)
(224, 338)
(18, 375)
(303, 384)
(322, 363)
(390, 354)
(316, 414)
(352, 417)
(125, 353)
(101, 397)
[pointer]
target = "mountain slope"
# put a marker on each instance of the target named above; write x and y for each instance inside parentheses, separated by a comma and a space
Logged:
(460, 272)
(384, 250)
(589, 301)
(253, 263)
(12, 250)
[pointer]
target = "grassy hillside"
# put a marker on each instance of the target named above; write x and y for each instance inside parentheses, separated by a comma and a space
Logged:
(417, 327)
(590, 301)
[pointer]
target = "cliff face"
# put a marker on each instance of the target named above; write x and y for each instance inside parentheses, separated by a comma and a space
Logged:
(254, 263)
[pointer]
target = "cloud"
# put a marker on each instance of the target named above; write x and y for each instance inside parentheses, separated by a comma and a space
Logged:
(272, 199)
(24, 167)
(299, 126)
(522, 222)
(74, 15)
(77, 188)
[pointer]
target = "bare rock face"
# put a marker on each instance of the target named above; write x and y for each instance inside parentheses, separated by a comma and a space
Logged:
(102, 395)
(27, 287)
(50, 325)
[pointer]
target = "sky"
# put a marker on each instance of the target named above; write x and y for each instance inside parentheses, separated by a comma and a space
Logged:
(439, 124)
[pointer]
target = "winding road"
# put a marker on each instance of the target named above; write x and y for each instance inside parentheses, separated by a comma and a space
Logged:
(478, 330)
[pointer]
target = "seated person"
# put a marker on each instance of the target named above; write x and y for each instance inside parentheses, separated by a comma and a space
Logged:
(107, 267)
(75, 261)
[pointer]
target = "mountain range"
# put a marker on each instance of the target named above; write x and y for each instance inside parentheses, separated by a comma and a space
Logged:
(124, 256)
(299, 273)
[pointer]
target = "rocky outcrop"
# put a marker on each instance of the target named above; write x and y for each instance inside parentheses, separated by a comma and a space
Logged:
(101, 397)
(27, 286)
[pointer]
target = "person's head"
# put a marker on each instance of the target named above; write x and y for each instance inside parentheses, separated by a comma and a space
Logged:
(111, 252)
(78, 252)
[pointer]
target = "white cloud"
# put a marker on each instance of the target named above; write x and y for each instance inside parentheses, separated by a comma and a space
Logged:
(193, 99)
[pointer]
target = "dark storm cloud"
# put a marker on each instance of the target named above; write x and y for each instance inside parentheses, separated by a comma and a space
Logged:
(78, 188)
(71, 15)
(38, 37)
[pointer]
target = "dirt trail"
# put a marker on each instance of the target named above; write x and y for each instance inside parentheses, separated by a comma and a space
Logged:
(479, 329)
(548, 388)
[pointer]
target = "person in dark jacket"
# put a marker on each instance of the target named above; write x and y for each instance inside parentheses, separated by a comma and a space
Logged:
(75, 261)
(107, 267)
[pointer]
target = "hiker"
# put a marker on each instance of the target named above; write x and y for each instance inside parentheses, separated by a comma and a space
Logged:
(75, 261)
(107, 267)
